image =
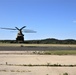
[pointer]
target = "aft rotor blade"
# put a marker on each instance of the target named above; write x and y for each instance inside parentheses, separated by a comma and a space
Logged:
(29, 31)
(8, 28)
(23, 27)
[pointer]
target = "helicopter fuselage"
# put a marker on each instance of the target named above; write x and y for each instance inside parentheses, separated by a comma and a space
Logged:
(20, 36)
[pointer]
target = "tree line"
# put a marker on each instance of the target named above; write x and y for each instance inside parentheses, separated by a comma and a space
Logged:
(43, 41)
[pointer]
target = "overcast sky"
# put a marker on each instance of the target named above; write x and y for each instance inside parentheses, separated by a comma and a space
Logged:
(50, 18)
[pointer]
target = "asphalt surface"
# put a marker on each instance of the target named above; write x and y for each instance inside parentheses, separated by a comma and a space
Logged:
(35, 48)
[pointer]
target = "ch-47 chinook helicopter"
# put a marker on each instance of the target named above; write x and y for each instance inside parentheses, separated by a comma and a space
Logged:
(20, 35)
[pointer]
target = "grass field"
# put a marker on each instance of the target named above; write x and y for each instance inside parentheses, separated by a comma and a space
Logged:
(62, 52)
(64, 45)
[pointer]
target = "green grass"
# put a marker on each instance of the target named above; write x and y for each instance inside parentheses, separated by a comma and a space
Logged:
(65, 73)
(59, 52)
(53, 45)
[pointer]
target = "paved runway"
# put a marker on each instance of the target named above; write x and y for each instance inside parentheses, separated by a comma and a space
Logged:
(35, 48)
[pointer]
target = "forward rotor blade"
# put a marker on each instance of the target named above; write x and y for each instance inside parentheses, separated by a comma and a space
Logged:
(8, 28)
(23, 27)
(17, 28)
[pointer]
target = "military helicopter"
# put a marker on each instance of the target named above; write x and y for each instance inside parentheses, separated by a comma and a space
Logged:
(20, 35)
